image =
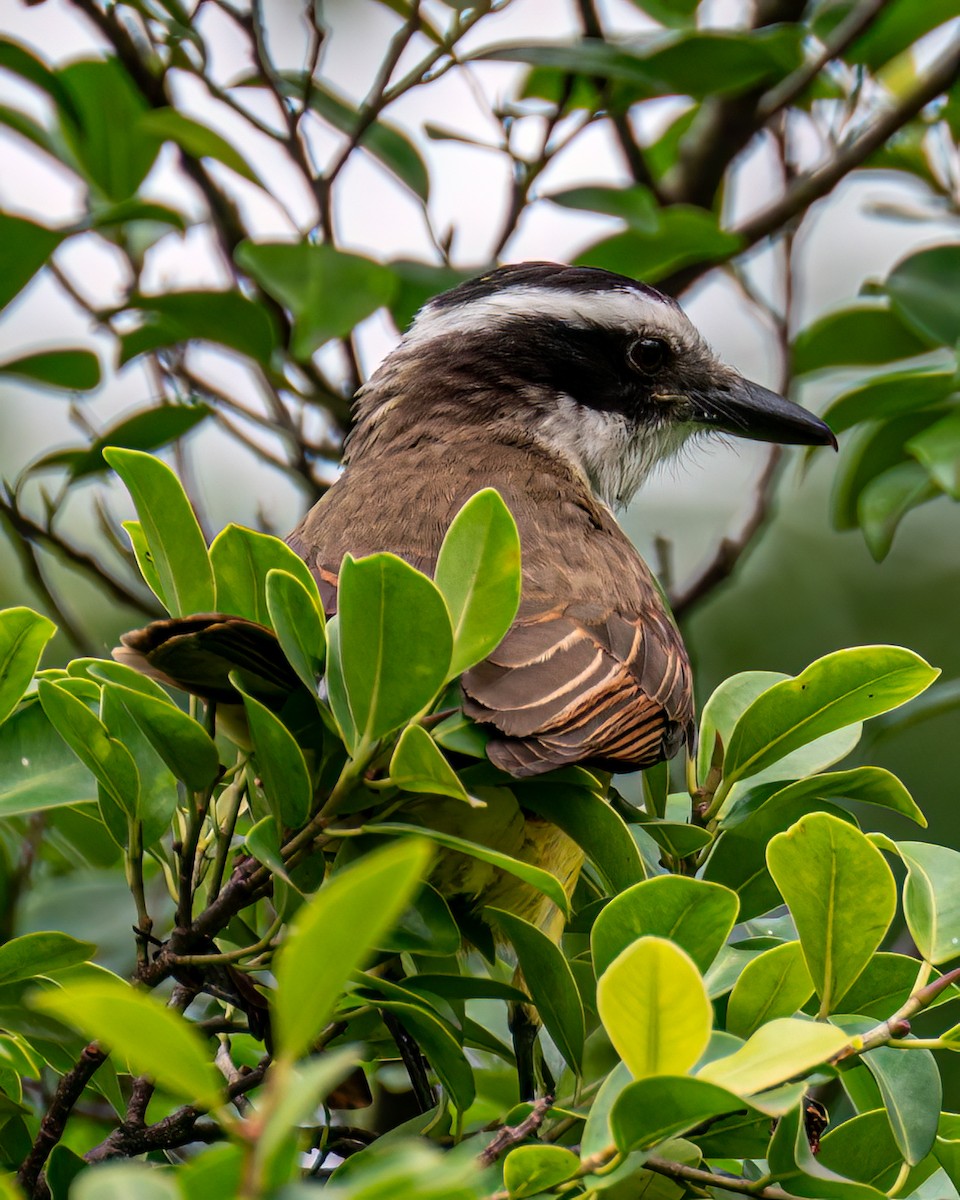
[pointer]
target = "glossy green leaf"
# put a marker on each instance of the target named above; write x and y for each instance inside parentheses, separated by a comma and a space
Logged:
(835, 691)
(170, 530)
(885, 984)
(866, 785)
(550, 982)
(937, 449)
(393, 149)
(426, 927)
(588, 820)
(774, 984)
(23, 635)
(227, 318)
(102, 128)
(778, 1051)
(24, 248)
(923, 291)
(123, 1180)
(241, 559)
(105, 670)
(890, 394)
(863, 334)
(663, 1106)
(152, 1039)
(336, 688)
(887, 499)
(395, 641)
(334, 934)
(478, 574)
(147, 430)
(465, 987)
(677, 838)
(841, 894)
(697, 916)
(86, 735)
(792, 1164)
(909, 1083)
(440, 1048)
(296, 614)
(897, 25)
(654, 1007)
(34, 954)
(536, 877)
(145, 561)
(182, 743)
(197, 140)
(125, 212)
(418, 765)
(931, 899)
(262, 840)
(530, 1170)
(281, 765)
(328, 291)
(74, 370)
(157, 797)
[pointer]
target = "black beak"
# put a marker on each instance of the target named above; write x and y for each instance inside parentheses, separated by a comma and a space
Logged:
(748, 410)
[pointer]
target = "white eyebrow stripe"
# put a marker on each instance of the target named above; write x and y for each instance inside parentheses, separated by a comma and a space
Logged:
(626, 310)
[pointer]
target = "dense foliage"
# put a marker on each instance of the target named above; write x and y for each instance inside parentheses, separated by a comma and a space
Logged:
(344, 881)
(333, 902)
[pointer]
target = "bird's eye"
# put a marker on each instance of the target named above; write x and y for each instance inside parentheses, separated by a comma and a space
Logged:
(648, 355)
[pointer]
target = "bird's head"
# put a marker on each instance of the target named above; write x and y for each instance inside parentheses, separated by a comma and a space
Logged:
(606, 372)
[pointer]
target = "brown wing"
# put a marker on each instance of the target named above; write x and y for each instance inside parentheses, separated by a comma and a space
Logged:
(563, 688)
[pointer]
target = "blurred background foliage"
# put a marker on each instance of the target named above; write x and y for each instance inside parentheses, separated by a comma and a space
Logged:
(215, 218)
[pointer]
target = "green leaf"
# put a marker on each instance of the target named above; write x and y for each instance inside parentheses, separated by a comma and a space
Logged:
(697, 916)
(937, 449)
(38, 770)
(890, 394)
(199, 141)
(227, 318)
(296, 614)
(24, 248)
(183, 744)
(887, 499)
(465, 987)
(864, 333)
(75, 370)
(241, 559)
(327, 291)
(791, 1163)
(387, 144)
(152, 1039)
(531, 1170)
(395, 642)
(841, 894)
(931, 899)
(589, 821)
(281, 765)
(335, 933)
(778, 1051)
(125, 212)
(634, 205)
(86, 735)
(102, 130)
(909, 1083)
(536, 877)
(550, 983)
(775, 984)
(662, 1106)
(123, 1180)
(147, 430)
(863, 1148)
(885, 984)
(866, 785)
(40, 953)
(684, 234)
(336, 688)
(669, 12)
(835, 691)
(418, 282)
(145, 561)
(922, 289)
(425, 927)
(23, 635)
(418, 765)
(895, 28)
(478, 574)
(170, 530)
(655, 1008)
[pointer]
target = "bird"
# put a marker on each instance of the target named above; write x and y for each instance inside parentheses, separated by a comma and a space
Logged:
(562, 387)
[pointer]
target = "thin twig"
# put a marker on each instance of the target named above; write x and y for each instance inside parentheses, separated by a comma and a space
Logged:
(510, 1135)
